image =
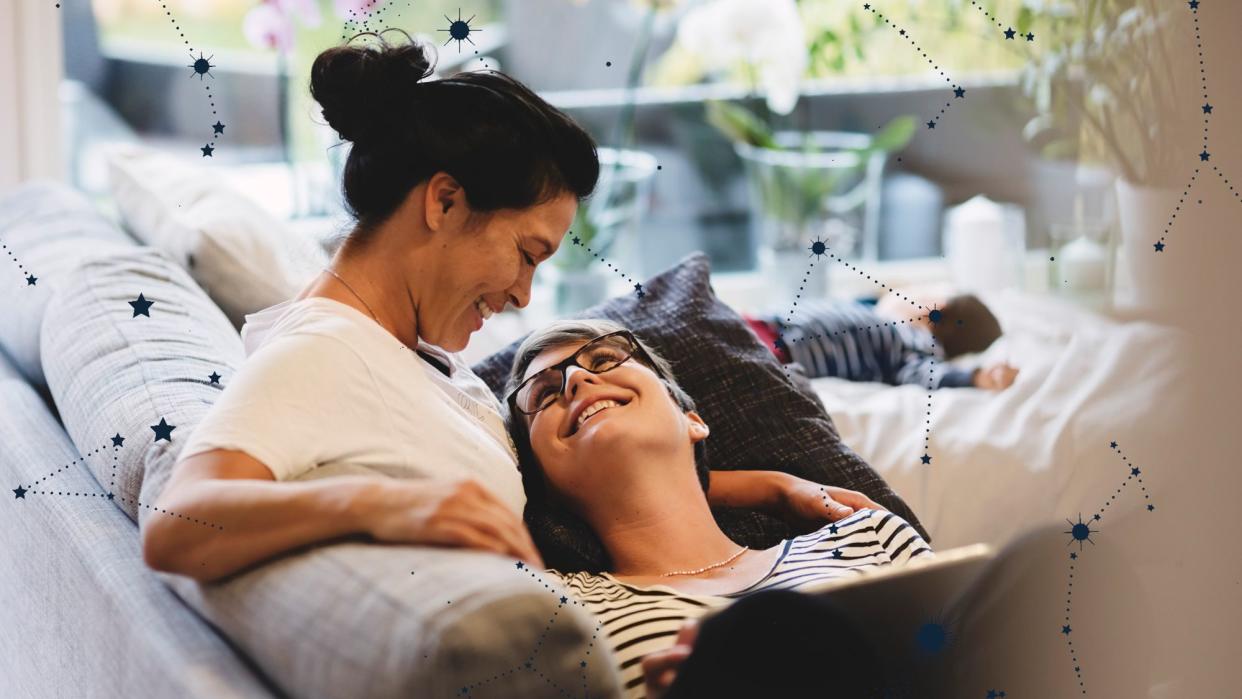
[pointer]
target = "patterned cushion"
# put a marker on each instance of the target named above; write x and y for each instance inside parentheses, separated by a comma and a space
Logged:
(759, 418)
(45, 227)
(348, 619)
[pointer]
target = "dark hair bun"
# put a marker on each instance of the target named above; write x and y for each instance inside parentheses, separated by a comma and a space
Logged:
(360, 86)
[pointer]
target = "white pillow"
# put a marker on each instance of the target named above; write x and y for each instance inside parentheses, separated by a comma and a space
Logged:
(244, 258)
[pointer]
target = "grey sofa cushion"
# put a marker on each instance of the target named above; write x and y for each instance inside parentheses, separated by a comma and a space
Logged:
(760, 417)
(45, 227)
(84, 617)
(349, 619)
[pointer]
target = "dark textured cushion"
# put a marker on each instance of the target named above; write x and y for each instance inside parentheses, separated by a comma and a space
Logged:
(760, 419)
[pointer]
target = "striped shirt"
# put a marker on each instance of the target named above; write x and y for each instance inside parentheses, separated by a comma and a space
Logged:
(639, 620)
(850, 340)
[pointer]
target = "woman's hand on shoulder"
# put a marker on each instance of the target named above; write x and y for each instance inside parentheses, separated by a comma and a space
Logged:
(446, 512)
(807, 505)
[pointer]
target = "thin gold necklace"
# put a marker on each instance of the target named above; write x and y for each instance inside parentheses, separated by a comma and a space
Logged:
(705, 568)
(355, 293)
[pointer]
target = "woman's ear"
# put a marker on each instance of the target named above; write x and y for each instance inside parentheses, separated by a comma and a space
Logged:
(443, 201)
(698, 429)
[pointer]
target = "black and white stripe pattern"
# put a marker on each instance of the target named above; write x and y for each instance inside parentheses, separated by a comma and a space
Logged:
(851, 341)
(640, 620)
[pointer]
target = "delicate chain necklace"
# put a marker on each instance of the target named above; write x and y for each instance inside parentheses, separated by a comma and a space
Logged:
(706, 568)
(355, 293)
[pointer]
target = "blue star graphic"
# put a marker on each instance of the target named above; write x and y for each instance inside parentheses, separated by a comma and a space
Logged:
(582, 663)
(1205, 156)
(519, 565)
(926, 459)
(1207, 108)
(110, 496)
(163, 430)
(118, 440)
(218, 127)
(836, 553)
(1151, 508)
(1194, 4)
(931, 124)
(31, 279)
(832, 529)
(215, 378)
(959, 92)
(141, 306)
(1065, 630)
(207, 150)
(1112, 445)
(577, 240)
(1009, 33)
(1096, 517)
(1134, 471)
(564, 599)
(639, 289)
(1159, 247)
(1073, 556)
(991, 694)
(20, 492)
(1030, 36)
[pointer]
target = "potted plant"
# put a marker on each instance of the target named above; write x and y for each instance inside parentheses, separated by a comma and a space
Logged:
(1104, 89)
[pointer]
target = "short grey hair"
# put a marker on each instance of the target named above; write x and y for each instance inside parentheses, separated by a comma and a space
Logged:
(566, 332)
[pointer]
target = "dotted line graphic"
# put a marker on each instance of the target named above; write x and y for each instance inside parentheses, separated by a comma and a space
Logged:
(1008, 32)
(638, 288)
(819, 249)
(529, 663)
(1205, 155)
(29, 278)
(1080, 532)
(202, 66)
(80, 459)
(958, 91)
(366, 15)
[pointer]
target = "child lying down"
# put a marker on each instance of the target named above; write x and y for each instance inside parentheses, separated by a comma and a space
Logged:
(891, 341)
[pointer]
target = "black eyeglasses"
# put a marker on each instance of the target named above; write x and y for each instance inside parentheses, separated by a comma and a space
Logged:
(604, 353)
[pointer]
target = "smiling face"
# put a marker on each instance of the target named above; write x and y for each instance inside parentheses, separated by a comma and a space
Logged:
(609, 430)
(482, 261)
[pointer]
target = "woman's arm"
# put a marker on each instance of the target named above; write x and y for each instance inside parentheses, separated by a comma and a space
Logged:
(223, 511)
(804, 504)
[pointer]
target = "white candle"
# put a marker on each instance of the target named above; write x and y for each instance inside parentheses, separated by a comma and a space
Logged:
(1083, 265)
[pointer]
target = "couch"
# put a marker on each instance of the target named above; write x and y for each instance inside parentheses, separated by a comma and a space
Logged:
(84, 377)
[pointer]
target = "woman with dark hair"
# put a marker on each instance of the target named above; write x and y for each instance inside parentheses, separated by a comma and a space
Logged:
(459, 187)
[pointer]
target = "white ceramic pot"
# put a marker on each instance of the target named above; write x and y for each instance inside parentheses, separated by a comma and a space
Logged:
(1150, 282)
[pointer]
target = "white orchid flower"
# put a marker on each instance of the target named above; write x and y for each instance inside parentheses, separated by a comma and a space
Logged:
(766, 36)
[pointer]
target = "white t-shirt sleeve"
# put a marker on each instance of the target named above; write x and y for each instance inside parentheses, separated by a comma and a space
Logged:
(285, 402)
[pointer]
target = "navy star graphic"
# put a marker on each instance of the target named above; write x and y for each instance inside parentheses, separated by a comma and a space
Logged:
(1151, 508)
(1073, 556)
(1134, 471)
(1009, 33)
(31, 279)
(832, 529)
(1204, 156)
(639, 289)
(1112, 445)
(207, 149)
(1159, 247)
(215, 378)
(582, 663)
(959, 92)
(1065, 630)
(836, 553)
(110, 496)
(163, 430)
(931, 124)
(926, 459)
(991, 694)
(1194, 4)
(564, 599)
(1207, 108)
(218, 127)
(20, 492)
(118, 440)
(902, 32)
(519, 565)
(867, 6)
(1030, 36)
(577, 240)
(142, 305)
(1096, 517)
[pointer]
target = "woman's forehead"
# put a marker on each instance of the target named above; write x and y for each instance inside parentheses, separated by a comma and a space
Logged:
(551, 355)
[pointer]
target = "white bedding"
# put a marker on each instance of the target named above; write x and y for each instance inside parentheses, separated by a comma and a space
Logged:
(1002, 462)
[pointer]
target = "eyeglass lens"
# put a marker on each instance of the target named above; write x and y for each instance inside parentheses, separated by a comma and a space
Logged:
(600, 355)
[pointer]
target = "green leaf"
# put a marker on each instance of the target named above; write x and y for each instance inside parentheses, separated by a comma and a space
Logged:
(895, 134)
(1025, 19)
(739, 124)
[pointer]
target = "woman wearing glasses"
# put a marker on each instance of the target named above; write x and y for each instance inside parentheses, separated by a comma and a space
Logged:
(604, 433)
(460, 187)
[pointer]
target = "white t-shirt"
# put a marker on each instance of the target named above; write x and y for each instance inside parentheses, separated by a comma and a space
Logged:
(323, 384)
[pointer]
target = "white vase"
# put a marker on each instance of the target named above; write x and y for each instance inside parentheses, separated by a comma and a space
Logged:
(1151, 283)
